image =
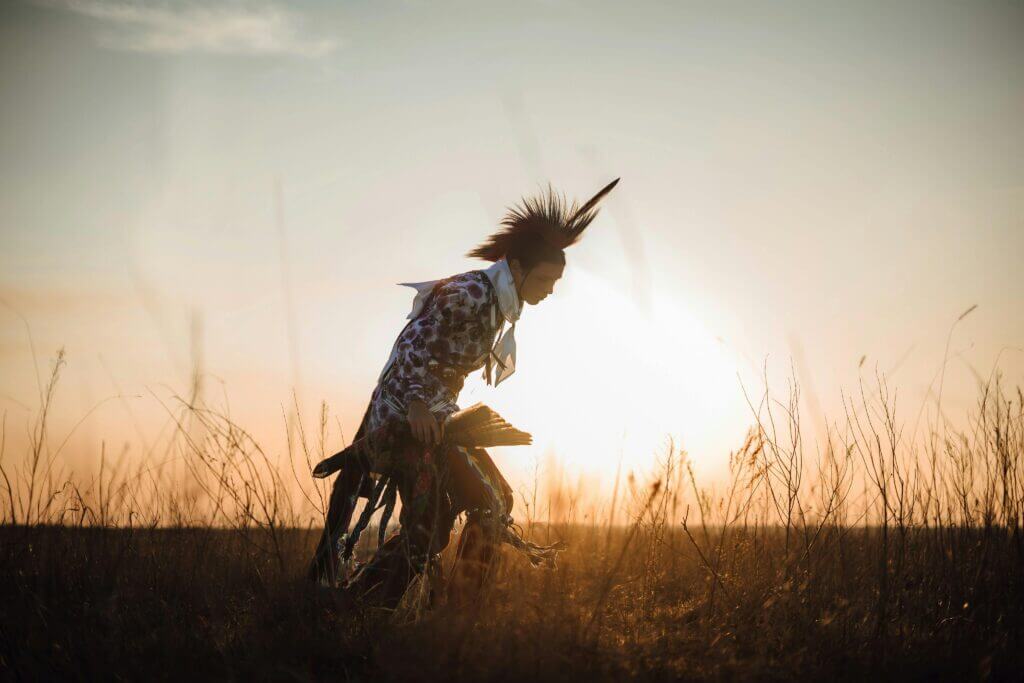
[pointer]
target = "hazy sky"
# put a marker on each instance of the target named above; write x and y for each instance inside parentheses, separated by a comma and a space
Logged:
(807, 182)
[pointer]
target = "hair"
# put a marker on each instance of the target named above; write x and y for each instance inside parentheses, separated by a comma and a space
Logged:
(539, 229)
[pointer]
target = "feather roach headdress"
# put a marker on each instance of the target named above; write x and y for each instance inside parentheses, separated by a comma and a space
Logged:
(546, 219)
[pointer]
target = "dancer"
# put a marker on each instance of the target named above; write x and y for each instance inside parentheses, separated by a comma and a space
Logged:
(457, 325)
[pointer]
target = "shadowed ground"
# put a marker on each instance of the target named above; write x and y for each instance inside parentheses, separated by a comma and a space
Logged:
(636, 603)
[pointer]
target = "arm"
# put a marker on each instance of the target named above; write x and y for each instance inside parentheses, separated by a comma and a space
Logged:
(433, 342)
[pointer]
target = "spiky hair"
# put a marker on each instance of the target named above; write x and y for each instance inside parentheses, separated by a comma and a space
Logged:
(545, 220)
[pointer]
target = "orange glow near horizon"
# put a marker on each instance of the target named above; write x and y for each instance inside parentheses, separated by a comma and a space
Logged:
(600, 382)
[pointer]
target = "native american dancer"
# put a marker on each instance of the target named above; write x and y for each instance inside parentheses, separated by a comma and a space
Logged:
(414, 442)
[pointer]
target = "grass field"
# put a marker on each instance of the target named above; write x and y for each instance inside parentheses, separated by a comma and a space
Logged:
(871, 556)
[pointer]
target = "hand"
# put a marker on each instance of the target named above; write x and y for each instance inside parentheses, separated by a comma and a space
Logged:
(424, 425)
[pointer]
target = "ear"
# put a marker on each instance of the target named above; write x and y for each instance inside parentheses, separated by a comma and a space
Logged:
(516, 267)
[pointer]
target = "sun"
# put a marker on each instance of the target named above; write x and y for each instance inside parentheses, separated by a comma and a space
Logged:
(600, 382)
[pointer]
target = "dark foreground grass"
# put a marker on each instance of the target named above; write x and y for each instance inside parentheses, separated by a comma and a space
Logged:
(195, 603)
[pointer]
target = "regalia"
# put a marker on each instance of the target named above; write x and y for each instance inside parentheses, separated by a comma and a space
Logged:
(457, 325)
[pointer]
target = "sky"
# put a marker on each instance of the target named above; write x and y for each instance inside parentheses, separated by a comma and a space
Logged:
(809, 189)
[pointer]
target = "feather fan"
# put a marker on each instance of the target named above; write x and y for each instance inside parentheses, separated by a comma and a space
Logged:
(477, 426)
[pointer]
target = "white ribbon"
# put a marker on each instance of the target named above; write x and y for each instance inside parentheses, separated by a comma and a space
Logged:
(504, 351)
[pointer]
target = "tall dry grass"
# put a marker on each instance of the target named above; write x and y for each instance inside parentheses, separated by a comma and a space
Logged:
(865, 551)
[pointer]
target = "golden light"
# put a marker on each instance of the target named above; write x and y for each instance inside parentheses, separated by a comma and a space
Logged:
(598, 380)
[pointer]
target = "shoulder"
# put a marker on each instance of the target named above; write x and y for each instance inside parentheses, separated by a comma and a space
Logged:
(471, 289)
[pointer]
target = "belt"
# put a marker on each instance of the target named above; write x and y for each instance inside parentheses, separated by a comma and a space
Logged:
(398, 406)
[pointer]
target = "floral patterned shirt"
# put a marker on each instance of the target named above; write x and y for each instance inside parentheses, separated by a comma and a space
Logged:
(451, 337)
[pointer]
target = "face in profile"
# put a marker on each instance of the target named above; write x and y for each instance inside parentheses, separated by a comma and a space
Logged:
(540, 281)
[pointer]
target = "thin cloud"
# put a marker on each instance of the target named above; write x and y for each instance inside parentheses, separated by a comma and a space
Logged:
(230, 28)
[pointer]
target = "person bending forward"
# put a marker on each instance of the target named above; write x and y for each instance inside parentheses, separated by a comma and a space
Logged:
(458, 325)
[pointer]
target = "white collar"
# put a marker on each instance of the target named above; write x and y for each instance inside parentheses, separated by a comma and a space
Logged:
(504, 284)
(503, 354)
(501, 279)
